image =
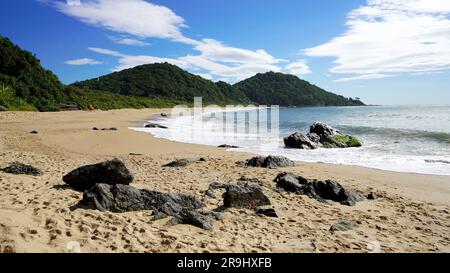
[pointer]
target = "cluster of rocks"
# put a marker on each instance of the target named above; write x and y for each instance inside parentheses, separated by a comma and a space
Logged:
(270, 162)
(20, 168)
(321, 135)
(320, 190)
(107, 187)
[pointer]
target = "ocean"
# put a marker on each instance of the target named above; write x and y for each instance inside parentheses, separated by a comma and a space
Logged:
(413, 139)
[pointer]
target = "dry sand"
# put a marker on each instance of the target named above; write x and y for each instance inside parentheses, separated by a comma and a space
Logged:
(35, 215)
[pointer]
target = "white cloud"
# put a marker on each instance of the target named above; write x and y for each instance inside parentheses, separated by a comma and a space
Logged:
(136, 20)
(84, 61)
(363, 77)
(298, 68)
(205, 76)
(136, 17)
(386, 37)
(128, 41)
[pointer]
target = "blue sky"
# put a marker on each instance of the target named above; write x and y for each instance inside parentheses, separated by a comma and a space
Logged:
(383, 51)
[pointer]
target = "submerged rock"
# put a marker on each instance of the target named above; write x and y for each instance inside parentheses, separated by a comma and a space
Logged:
(271, 162)
(245, 195)
(320, 190)
(123, 198)
(110, 172)
(321, 135)
(19, 168)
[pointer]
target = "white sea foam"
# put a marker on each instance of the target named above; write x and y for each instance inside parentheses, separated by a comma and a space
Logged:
(405, 155)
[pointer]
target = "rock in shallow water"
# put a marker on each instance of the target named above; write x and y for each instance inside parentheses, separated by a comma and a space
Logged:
(123, 198)
(320, 190)
(19, 168)
(110, 172)
(321, 135)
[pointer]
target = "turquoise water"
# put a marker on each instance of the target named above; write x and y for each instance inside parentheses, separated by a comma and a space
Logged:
(397, 138)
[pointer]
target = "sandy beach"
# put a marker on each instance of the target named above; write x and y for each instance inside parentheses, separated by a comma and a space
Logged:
(412, 215)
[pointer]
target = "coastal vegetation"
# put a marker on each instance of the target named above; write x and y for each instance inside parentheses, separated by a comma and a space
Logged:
(25, 85)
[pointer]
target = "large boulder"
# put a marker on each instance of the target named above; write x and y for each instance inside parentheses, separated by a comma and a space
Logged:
(110, 172)
(320, 190)
(271, 162)
(323, 130)
(302, 141)
(19, 168)
(123, 198)
(245, 195)
(321, 135)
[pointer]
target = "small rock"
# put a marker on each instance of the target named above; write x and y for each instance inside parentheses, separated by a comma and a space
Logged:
(271, 162)
(183, 162)
(228, 146)
(3, 108)
(269, 212)
(155, 126)
(164, 115)
(109, 172)
(34, 132)
(19, 168)
(95, 129)
(110, 129)
(343, 225)
(214, 186)
(372, 196)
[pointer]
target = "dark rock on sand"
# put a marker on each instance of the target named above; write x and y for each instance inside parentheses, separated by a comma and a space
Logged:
(95, 129)
(19, 168)
(343, 225)
(34, 132)
(213, 187)
(271, 162)
(372, 196)
(228, 146)
(110, 129)
(183, 162)
(110, 172)
(245, 195)
(123, 198)
(269, 212)
(3, 108)
(157, 126)
(321, 135)
(320, 190)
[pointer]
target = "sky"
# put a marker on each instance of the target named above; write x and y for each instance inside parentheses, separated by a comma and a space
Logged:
(382, 51)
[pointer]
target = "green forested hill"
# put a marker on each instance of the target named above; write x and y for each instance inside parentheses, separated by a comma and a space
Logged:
(167, 81)
(26, 85)
(288, 90)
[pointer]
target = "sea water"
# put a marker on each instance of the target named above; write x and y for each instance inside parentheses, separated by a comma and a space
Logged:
(412, 139)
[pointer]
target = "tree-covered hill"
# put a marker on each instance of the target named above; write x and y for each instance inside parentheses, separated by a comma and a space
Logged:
(288, 90)
(163, 80)
(26, 85)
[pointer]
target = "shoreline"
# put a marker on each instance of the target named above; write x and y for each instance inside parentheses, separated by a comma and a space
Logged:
(416, 206)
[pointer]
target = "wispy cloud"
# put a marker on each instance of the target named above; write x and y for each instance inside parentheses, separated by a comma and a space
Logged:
(128, 41)
(387, 37)
(84, 61)
(363, 77)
